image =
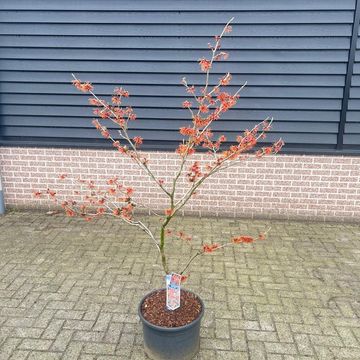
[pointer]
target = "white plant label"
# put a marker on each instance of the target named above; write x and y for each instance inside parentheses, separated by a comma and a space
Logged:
(173, 282)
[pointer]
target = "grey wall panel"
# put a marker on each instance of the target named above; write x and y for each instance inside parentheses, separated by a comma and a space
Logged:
(173, 90)
(352, 127)
(180, 17)
(137, 42)
(288, 80)
(165, 113)
(180, 5)
(313, 56)
(294, 55)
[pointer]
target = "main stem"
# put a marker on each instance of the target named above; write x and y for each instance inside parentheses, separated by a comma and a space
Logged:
(162, 245)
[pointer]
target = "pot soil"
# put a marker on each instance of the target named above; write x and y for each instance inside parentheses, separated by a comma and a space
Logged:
(171, 334)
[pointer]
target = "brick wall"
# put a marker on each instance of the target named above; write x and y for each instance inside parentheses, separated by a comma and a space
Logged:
(282, 186)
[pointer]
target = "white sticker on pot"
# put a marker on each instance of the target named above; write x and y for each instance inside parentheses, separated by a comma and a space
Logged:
(173, 282)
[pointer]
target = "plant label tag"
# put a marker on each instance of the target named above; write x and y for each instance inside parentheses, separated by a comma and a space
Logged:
(173, 282)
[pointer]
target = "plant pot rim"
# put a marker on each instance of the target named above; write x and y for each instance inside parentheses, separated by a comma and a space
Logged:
(170, 329)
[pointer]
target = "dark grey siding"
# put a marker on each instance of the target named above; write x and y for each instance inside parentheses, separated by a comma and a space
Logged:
(294, 55)
(352, 128)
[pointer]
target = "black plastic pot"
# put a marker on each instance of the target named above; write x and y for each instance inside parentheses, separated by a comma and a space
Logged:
(179, 343)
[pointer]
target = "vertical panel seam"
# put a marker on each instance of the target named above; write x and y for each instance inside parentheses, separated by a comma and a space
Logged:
(348, 78)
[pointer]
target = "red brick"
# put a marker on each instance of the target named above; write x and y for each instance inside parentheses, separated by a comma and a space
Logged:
(286, 185)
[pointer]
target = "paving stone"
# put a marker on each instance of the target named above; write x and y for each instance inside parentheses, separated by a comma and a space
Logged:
(99, 348)
(69, 290)
(19, 355)
(35, 344)
(37, 355)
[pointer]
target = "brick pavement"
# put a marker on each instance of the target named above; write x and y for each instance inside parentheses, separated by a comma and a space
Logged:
(70, 289)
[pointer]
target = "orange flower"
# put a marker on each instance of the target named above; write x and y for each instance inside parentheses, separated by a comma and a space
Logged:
(268, 150)
(129, 191)
(96, 124)
(205, 64)
(138, 140)
(105, 133)
(203, 108)
(51, 192)
(191, 89)
(100, 211)
(242, 239)
(228, 29)
(185, 131)
(186, 104)
(121, 92)
(84, 87)
(225, 80)
(112, 191)
(116, 212)
(116, 100)
(132, 116)
(70, 212)
(169, 212)
(182, 150)
(209, 248)
(95, 102)
(37, 194)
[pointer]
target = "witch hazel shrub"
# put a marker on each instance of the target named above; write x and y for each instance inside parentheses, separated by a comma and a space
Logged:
(206, 104)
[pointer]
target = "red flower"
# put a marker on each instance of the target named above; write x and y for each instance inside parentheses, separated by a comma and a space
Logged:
(132, 116)
(262, 236)
(37, 194)
(84, 87)
(191, 89)
(184, 278)
(105, 133)
(268, 150)
(242, 239)
(185, 131)
(112, 191)
(96, 124)
(129, 191)
(51, 193)
(225, 80)
(100, 210)
(116, 100)
(138, 140)
(112, 181)
(186, 104)
(183, 150)
(121, 92)
(126, 211)
(169, 212)
(63, 176)
(95, 102)
(116, 212)
(205, 64)
(209, 248)
(70, 212)
(203, 108)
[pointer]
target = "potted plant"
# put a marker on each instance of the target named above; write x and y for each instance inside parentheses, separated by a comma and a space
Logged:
(170, 316)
